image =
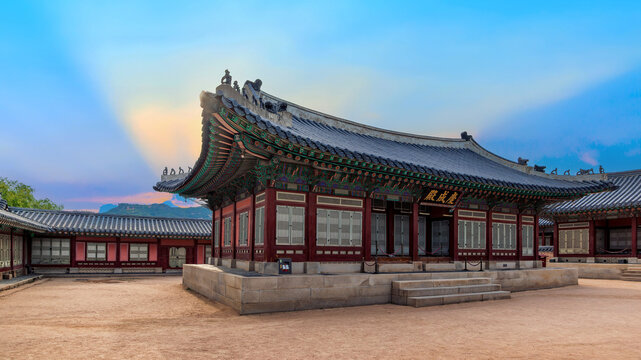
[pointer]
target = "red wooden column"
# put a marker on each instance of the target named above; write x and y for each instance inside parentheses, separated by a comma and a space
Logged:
(213, 233)
(234, 229)
(270, 223)
(519, 238)
(11, 247)
(634, 236)
(72, 251)
(536, 237)
(118, 251)
(591, 239)
(252, 226)
(488, 235)
(367, 229)
(454, 233)
(414, 232)
(555, 239)
(310, 227)
(220, 233)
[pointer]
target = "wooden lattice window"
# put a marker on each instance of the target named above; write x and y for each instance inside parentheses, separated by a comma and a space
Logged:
(17, 250)
(379, 234)
(227, 230)
(503, 236)
(338, 228)
(208, 255)
(574, 241)
(527, 240)
(471, 234)
(401, 234)
(47, 251)
(138, 252)
(96, 251)
(290, 225)
(243, 227)
(259, 226)
(5, 250)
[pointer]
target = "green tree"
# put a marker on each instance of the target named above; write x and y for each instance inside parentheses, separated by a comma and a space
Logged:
(20, 195)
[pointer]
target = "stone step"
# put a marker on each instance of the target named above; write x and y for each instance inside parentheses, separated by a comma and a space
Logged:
(412, 284)
(631, 276)
(448, 290)
(421, 301)
(436, 267)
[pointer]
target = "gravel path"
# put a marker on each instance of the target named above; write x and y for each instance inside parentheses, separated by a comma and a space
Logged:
(154, 318)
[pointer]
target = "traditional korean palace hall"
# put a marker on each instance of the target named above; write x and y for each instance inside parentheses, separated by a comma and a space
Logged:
(601, 227)
(285, 181)
(51, 241)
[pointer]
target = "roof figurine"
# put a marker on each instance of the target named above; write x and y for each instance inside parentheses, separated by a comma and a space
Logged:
(226, 79)
(539, 168)
(236, 87)
(256, 84)
(465, 136)
(522, 161)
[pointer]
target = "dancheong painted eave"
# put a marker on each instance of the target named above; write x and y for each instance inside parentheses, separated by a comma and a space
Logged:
(627, 197)
(87, 223)
(241, 129)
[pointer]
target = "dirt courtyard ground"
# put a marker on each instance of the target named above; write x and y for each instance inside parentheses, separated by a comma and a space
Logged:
(154, 318)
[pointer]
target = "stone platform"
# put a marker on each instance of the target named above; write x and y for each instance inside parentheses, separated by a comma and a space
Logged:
(249, 292)
(596, 270)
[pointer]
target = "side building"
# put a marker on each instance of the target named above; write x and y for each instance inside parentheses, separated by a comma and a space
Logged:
(285, 181)
(85, 242)
(603, 227)
(15, 231)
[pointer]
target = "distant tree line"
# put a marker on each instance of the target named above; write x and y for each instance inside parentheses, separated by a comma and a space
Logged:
(20, 195)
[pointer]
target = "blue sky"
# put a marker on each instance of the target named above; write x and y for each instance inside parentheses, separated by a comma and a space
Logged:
(97, 97)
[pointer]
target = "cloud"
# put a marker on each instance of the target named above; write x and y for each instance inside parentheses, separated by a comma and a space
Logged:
(182, 202)
(140, 198)
(166, 135)
(589, 157)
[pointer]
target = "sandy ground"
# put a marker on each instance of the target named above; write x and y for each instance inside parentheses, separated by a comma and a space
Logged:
(154, 318)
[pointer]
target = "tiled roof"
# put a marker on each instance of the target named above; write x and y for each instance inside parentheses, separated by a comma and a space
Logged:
(457, 159)
(546, 248)
(10, 219)
(452, 158)
(87, 223)
(628, 195)
(543, 222)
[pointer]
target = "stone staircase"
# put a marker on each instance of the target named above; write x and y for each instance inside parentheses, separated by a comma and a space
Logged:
(632, 273)
(419, 293)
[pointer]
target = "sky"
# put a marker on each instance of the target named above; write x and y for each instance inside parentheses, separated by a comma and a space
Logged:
(97, 97)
